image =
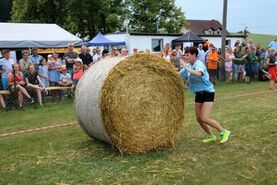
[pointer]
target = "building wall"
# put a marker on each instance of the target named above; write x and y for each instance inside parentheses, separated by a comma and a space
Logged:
(143, 42)
(217, 40)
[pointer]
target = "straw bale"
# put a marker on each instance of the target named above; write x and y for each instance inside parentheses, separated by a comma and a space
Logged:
(141, 103)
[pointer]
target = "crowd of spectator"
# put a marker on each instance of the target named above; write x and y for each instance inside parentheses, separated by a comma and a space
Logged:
(33, 74)
(242, 62)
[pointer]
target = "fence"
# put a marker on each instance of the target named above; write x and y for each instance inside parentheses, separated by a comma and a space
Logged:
(39, 97)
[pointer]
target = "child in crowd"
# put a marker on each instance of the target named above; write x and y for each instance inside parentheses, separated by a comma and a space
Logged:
(78, 71)
(43, 72)
(65, 78)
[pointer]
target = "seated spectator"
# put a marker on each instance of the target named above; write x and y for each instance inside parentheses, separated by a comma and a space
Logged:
(43, 73)
(78, 71)
(24, 62)
(33, 82)
(17, 84)
(65, 78)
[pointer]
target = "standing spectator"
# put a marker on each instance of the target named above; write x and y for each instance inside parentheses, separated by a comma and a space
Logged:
(78, 71)
(69, 58)
(17, 84)
(85, 56)
(93, 52)
(238, 64)
(273, 44)
(237, 43)
(271, 63)
(33, 82)
(135, 50)
(212, 64)
(179, 53)
(167, 52)
(97, 56)
(251, 44)
(35, 58)
(175, 61)
(114, 52)
(124, 52)
(243, 43)
(54, 70)
(229, 63)
(6, 67)
(43, 73)
(250, 65)
(201, 54)
(105, 53)
(24, 62)
(259, 58)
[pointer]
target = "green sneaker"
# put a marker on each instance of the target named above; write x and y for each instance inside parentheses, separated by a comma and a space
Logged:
(209, 139)
(225, 136)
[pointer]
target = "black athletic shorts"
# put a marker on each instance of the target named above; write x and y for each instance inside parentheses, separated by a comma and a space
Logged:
(204, 96)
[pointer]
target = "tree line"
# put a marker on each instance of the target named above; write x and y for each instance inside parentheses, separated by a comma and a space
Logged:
(88, 17)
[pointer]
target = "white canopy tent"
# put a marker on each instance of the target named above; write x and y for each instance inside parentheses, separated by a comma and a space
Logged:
(27, 35)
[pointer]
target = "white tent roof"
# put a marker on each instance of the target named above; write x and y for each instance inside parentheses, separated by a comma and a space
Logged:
(27, 35)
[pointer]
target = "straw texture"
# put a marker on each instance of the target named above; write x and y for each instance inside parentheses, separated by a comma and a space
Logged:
(142, 104)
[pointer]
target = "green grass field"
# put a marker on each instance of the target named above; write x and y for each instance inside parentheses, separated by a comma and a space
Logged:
(66, 155)
(263, 39)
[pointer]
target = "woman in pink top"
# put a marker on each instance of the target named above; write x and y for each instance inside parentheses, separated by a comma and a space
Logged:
(229, 63)
(78, 71)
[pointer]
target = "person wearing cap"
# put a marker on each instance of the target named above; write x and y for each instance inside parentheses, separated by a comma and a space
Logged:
(201, 54)
(78, 71)
(35, 58)
(212, 63)
(69, 58)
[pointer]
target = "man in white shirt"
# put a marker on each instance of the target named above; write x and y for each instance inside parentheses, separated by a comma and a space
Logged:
(97, 56)
(6, 67)
(201, 54)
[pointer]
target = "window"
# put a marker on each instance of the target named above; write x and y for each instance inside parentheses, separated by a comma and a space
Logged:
(157, 45)
(228, 43)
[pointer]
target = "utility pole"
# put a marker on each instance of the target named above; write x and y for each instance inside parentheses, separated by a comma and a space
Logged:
(223, 40)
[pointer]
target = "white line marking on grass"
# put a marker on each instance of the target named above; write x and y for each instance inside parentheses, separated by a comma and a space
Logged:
(72, 123)
(36, 129)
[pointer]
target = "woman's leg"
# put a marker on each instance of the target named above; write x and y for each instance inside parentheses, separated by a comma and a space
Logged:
(205, 111)
(34, 86)
(23, 90)
(198, 109)
(39, 96)
(2, 102)
(20, 98)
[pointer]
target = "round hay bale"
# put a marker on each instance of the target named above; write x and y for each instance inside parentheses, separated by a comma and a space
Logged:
(135, 103)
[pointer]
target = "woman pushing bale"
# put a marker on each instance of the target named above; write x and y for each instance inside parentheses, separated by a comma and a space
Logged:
(135, 103)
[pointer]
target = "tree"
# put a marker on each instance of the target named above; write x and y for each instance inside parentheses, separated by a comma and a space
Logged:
(5, 8)
(150, 15)
(86, 17)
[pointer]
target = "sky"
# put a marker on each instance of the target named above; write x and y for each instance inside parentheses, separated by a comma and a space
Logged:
(259, 16)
